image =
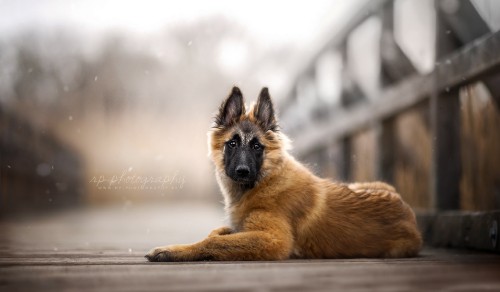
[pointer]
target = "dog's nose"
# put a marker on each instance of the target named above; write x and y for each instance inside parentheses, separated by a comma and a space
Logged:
(242, 170)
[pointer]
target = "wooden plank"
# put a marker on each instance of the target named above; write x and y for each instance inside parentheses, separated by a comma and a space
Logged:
(350, 92)
(345, 166)
(395, 64)
(467, 65)
(340, 35)
(364, 57)
(475, 230)
(489, 11)
(386, 151)
(446, 166)
(493, 84)
(102, 249)
(414, 32)
(464, 19)
(434, 271)
(445, 130)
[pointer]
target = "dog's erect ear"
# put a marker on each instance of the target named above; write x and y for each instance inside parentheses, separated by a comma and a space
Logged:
(231, 109)
(264, 111)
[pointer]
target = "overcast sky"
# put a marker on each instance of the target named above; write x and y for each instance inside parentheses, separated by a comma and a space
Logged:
(276, 22)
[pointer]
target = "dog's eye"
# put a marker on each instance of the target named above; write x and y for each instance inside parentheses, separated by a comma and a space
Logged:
(257, 146)
(232, 143)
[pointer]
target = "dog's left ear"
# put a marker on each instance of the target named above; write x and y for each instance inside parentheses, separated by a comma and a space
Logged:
(264, 111)
(231, 109)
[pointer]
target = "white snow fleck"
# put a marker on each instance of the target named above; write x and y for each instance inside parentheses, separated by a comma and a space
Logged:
(129, 250)
(130, 168)
(189, 43)
(70, 118)
(95, 78)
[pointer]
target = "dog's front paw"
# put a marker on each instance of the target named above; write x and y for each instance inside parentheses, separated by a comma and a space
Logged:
(161, 254)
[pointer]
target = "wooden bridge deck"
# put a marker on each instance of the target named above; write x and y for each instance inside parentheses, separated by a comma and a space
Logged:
(102, 249)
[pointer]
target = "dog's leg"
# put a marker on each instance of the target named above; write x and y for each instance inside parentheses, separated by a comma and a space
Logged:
(221, 231)
(251, 245)
(264, 237)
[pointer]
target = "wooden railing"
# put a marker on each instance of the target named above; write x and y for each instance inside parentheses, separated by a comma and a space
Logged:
(466, 50)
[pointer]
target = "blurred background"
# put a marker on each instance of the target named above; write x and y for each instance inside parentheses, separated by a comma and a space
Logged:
(105, 105)
(103, 90)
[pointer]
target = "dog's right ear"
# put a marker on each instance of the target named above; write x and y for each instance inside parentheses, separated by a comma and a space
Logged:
(231, 109)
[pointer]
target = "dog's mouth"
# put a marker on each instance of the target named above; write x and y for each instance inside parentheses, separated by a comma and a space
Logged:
(244, 181)
(240, 180)
(246, 185)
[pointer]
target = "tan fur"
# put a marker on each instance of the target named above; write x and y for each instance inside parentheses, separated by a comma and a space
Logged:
(291, 213)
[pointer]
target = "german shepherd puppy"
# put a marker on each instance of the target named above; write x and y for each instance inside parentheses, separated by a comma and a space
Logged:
(279, 210)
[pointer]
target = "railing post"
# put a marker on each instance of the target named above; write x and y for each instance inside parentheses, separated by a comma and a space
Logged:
(345, 162)
(445, 125)
(446, 164)
(386, 155)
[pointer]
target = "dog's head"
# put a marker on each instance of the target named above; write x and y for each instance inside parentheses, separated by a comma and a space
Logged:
(245, 144)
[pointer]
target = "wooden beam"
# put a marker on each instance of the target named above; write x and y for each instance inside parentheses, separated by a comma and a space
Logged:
(395, 64)
(350, 91)
(340, 35)
(467, 65)
(446, 162)
(464, 20)
(477, 230)
(414, 31)
(493, 84)
(364, 58)
(445, 130)
(345, 167)
(386, 151)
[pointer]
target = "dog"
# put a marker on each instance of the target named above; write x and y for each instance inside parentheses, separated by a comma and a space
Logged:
(278, 209)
